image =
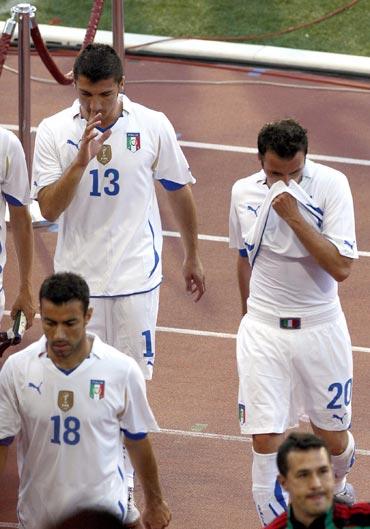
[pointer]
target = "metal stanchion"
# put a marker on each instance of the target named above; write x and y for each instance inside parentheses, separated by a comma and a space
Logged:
(118, 28)
(24, 12)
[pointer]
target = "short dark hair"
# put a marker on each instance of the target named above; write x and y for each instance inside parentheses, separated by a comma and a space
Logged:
(297, 441)
(63, 287)
(98, 62)
(89, 519)
(285, 137)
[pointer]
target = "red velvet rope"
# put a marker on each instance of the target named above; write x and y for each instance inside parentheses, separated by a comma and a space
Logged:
(4, 47)
(89, 37)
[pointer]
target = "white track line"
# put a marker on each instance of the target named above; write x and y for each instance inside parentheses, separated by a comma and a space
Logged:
(239, 149)
(218, 238)
(232, 438)
(207, 334)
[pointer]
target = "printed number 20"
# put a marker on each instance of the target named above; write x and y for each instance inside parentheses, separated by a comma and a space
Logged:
(113, 186)
(71, 434)
(340, 389)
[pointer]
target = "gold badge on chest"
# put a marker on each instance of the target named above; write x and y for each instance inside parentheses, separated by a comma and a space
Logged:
(65, 400)
(105, 154)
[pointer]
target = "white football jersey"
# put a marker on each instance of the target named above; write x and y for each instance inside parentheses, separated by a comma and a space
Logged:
(69, 429)
(281, 284)
(111, 232)
(14, 185)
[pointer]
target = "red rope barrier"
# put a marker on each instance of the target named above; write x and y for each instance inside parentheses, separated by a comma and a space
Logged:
(44, 52)
(4, 47)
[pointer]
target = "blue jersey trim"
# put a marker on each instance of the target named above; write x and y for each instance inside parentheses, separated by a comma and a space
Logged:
(7, 441)
(122, 509)
(156, 256)
(135, 436)
(12, 200)
(170, 186)
(243, 253)
(126, 295)
(102, 129)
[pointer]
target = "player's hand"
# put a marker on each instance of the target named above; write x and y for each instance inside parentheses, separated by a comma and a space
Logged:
(194, 277)
(286, 207)
(156, 516)
(92, 140)
(24, 302)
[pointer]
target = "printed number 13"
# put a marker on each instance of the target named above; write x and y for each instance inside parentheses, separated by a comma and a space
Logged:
(113, 186)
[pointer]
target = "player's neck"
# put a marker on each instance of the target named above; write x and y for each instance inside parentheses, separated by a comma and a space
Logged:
(75, 358)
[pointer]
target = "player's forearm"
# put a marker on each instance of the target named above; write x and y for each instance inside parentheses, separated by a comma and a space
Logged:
(21, 226)
(244, 274)
(183, 207)
(3, 457)
(56, 197)
(144, 463)
(322, 250)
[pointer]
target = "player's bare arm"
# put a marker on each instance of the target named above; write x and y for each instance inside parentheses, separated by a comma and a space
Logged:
(244, 274)
(55, 198)
(21, 226)
(323, 251)
(3, 457)
(183, 207)
(156, 514)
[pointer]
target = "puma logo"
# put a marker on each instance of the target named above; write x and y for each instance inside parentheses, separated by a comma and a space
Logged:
(335, 416)
(70, 142)
(37, 388)
(249, 208)
(349, 244)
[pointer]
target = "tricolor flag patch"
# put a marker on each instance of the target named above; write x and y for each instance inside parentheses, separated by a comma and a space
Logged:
(133, 141)
(97, 388)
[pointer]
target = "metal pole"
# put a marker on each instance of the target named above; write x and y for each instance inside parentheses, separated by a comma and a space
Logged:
(118, 28)
(24, 82)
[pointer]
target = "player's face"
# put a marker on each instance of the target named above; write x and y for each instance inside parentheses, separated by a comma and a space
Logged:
(65, 330)
(277, 168)
(310, 483)
(99, 97)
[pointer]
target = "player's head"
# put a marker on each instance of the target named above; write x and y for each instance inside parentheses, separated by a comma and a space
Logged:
(305, 471)
(64, 287)
(282, 149)
(97, 62)
(89, 519)
(98, 79)
(64, 299)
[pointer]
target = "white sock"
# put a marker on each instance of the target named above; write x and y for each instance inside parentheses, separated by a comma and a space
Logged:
(343, 463)
(269, 497)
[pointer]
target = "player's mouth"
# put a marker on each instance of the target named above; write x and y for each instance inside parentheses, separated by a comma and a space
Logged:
(60, 347)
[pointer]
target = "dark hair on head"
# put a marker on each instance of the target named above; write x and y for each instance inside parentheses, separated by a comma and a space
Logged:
(89, 519)
(97, 62)
(285, 137)
(294, 442)
(63, 287)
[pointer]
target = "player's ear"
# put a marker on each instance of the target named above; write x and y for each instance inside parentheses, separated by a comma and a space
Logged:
(88, 315)
(282, 480)
(122, 85)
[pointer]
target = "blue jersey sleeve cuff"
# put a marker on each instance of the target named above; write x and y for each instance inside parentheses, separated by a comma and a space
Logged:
(170, 186)
(11, 200)
(243, 253)
(7, 441)
(135, 436)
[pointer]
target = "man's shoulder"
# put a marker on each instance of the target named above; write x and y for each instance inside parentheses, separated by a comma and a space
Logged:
(280, 522)
(357, 514)
(249, 184)
(323, 172)
(58, 120)
(21, 359)
(110, 354)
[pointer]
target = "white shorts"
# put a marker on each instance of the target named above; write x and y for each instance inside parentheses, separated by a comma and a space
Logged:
(128, 324)
(285, 373)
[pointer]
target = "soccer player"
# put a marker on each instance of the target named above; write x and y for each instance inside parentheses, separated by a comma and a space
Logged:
(95, 166)
(306, 473)
(15, 192)
(293, 224)
(69, 442)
